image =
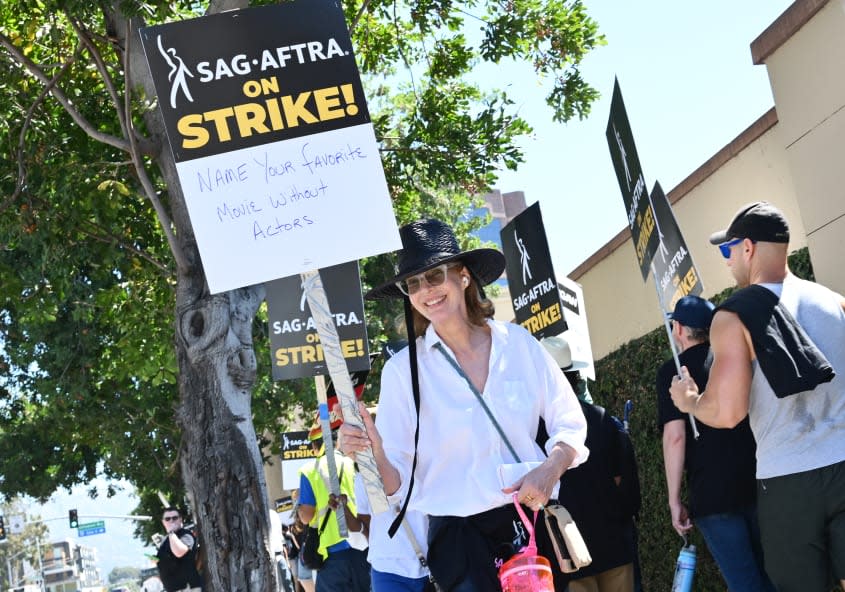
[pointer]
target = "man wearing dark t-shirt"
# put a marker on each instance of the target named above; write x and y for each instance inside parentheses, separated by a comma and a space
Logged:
(177, 566)
(720, 464)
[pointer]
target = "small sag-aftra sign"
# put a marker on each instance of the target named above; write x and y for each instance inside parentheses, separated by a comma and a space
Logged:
(531, 278)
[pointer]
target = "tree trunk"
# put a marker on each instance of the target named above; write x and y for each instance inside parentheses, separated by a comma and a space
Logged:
(220, 459)
(219, 455)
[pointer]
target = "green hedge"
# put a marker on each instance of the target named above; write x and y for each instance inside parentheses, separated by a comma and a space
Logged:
(629, 373)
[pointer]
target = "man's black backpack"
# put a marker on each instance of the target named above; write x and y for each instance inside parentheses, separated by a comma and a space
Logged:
(310, 551)
(629, 486)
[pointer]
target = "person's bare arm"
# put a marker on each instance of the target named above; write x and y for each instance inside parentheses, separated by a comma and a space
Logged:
(535, 488)
(674, 453)
(724, 403)
(176, 545)
(306, 513)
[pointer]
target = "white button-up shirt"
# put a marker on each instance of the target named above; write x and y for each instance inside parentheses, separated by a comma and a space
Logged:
(396, 555)
(460, 451)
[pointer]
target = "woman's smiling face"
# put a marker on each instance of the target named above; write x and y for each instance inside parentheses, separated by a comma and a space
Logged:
(441, 302)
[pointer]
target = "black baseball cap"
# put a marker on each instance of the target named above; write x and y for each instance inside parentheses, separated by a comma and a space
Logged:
(758, 221)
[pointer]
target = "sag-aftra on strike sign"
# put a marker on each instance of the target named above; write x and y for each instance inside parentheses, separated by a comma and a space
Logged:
(274, 147)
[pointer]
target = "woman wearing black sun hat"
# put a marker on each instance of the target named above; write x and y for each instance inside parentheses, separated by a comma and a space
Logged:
(435, 443)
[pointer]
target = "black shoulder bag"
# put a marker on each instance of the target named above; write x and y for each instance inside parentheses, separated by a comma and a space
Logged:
(310, 551)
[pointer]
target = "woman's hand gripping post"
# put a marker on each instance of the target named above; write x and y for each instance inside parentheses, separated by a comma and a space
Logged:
(352, 439)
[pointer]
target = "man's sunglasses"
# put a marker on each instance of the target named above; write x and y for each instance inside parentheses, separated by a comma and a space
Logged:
(435, 276)
(725, 247)
(171, 518)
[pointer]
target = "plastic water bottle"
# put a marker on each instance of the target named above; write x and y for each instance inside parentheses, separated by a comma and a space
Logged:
(684, 569)
(526, 572)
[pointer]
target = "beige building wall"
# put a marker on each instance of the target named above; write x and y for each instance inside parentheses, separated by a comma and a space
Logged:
(793, 156)
(804, 53)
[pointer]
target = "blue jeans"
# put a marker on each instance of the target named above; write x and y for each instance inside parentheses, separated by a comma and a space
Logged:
(734, 542)
(388, 582)
(346, 571)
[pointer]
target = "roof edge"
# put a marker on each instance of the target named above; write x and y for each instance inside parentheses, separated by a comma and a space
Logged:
(784, 27)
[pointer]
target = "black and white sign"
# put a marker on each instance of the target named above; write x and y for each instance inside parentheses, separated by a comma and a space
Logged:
(296, 453)
(294, 342)
(531, 278)
(623, 153)
(274, 147)
(577, 333)
(675, 272)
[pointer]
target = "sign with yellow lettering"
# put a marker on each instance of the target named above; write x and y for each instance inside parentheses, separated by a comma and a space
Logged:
(296, 453)
(274, 146)
(638, 209)
(531, 278)
(296, 445)
(294, 341)
(674, 270)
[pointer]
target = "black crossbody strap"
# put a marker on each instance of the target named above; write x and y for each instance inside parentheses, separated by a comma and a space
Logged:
(415, 386)
(478, 396)
(323, 523)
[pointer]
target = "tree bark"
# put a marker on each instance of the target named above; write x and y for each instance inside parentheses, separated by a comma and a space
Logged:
(219, 455)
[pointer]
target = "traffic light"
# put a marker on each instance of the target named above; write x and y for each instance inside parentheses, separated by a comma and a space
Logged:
(2, 529)
(73, 518)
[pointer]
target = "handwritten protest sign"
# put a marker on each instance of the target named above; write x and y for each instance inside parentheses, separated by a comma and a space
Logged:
(274, 147)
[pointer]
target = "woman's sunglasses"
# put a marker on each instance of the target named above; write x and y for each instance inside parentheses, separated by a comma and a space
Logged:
(435, 276)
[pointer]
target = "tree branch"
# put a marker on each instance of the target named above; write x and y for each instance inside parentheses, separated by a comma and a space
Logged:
(85, 38)
(114, 240)
(60, 96)
(21, 139)
(218, 6)
(143, 177)
(364, 6)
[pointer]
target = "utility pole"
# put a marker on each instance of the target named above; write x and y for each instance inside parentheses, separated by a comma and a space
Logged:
(40, 564)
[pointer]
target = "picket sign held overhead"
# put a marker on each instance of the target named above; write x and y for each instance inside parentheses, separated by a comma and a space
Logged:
(276, 155)
(654, 230)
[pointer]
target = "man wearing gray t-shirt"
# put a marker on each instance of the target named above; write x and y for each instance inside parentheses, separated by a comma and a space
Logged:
(779, 357)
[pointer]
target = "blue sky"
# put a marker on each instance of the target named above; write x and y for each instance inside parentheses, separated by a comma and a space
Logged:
(690, 87)
(116, 547)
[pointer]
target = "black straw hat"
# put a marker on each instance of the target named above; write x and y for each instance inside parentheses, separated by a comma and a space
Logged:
(429, 243)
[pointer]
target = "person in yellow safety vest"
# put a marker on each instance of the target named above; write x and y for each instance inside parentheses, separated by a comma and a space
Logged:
(345, 567)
